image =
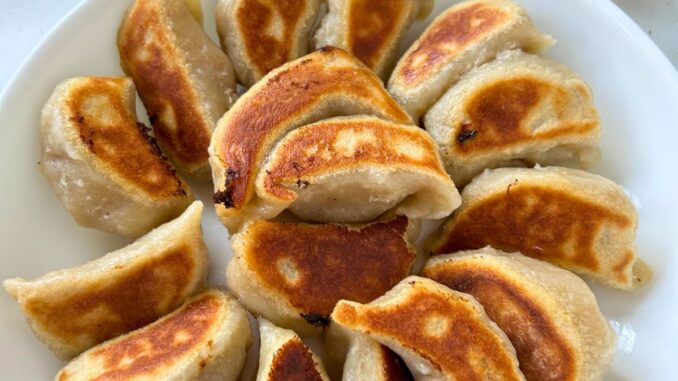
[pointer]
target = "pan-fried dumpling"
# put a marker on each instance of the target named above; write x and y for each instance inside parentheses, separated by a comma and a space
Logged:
(294, 273)
(549, 314)
(260, 36)
(518, 108)
(353, 169)
(466, 35)
(352, 356)
(284, 357)
(103, 165)
(205, 339)
(441, 334)
(74, 309)
(571, 218)
(370, 30)
(185, 81)
(323, 84)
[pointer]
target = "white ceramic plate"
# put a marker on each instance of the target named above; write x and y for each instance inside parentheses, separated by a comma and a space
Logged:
(635, 89)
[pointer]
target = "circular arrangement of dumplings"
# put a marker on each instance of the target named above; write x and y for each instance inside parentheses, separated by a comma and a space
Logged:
(324, 181)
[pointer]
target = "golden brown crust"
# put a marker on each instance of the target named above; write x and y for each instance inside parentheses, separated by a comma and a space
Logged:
(542, 351)
(537, 221)
(157, 346)
(499, 115)
(104, 311)
(369, 141)
(267, 52)
(372, 25)
(118, 141)
(314, 266)
(443, 329)
(448, 36)
(293, 362)
(288, 94)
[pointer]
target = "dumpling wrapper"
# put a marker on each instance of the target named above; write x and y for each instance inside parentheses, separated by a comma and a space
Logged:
(102, 164)
(370, 30)
(568, 217)
(354, 169)
(518, 108)
(466, 35)
(205, 339)
(260, 36)
(294, 273)
(184, 80)
(323, 84)
(441, 334)
(352, 356)
(283, 356)
(74, 309)
(549, 314)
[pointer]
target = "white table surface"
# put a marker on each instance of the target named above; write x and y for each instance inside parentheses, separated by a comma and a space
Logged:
(23, 23)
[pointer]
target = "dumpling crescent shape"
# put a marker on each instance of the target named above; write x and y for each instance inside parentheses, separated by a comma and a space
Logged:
(205, 339)
(441, 334)
(352, 356)
(260, 36)
(294, 273)
(354, 169)
(283, 356)
(102, 164)
(520, 107)
(568, 217)
(467, 34)
(323, 84)
(184, 80)
(549, 314)
(370, 30)
(73, 309)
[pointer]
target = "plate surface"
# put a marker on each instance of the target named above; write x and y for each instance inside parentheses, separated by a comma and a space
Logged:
(635, 89)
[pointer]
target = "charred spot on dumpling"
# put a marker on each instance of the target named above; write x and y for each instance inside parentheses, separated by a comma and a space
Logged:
(225, 196)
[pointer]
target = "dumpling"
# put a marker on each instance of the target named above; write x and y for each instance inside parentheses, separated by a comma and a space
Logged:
(284, 357)
(441, 334)
(102, 164)
(74, 309)
(205, 339)
(549, 314)
(518, 108)
(571, 218)
(370, 30)
(185, 81)
(353, 356)
(260, 36)
(294, 273)
(353, 169)
(468, 34)
(323, 84)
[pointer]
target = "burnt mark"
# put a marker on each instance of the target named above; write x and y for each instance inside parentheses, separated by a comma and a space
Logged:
(146, 133)
(225, 197)
(302, 184)
(508, 188)
(318, 320)
(466, 135)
